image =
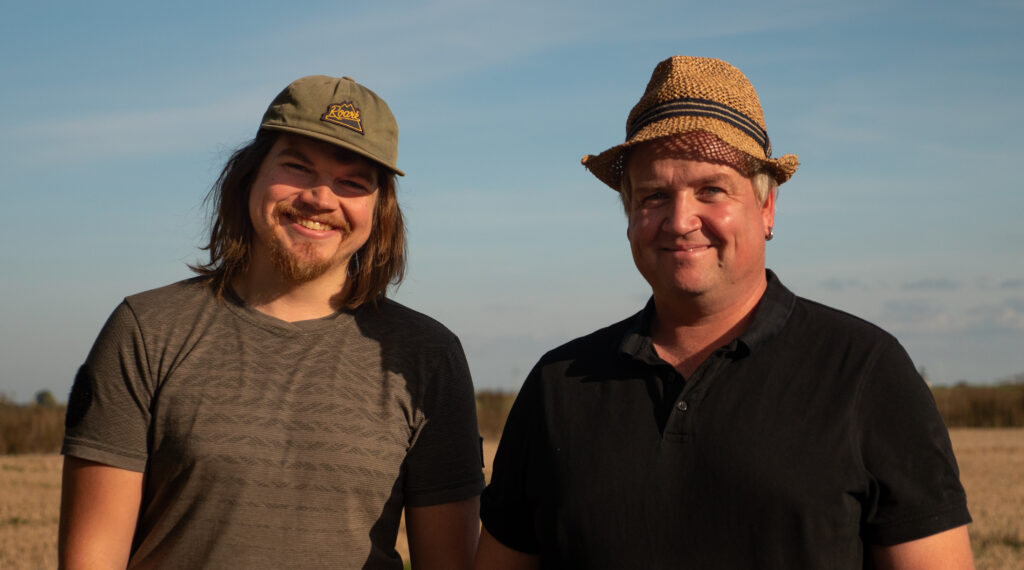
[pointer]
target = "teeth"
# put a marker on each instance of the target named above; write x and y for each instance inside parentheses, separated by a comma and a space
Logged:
(314, 225)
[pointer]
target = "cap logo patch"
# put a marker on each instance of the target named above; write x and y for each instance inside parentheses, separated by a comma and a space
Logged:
(344, 114)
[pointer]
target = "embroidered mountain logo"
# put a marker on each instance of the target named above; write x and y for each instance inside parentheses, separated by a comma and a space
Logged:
(345, 114)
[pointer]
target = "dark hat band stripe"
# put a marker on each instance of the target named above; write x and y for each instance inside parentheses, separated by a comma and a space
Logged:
(701, 108)
(679, 105)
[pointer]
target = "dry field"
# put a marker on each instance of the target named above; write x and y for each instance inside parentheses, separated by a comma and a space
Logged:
(992, 470)
(991, 465)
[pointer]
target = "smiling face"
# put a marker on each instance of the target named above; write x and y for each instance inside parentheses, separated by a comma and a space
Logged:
(696, 228)
(311, 206)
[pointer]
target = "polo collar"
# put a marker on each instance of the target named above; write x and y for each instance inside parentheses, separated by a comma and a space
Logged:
(770, 316)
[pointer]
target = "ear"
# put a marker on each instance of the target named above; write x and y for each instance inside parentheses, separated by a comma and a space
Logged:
(768, 210)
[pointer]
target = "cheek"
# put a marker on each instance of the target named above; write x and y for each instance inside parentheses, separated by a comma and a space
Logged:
(255, 213)
(641, 226)
(361, 213)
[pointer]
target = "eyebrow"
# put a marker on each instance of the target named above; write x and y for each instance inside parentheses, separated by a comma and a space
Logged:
(294, 153)
(716, 178)
(367, 173)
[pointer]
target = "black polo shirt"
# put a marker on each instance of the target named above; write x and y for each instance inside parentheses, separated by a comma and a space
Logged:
(793, 446)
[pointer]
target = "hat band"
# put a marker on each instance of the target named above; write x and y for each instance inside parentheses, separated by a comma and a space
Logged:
(688, 107)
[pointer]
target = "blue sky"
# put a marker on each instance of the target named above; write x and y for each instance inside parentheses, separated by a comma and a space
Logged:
(907, 118)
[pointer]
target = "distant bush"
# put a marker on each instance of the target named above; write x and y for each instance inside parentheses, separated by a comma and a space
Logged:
(963, 405)
(492, 408)
(30, 428)
(45, 398)
(39, 428)
(966, 405)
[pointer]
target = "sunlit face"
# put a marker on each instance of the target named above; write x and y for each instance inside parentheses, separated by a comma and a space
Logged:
(311, 206)
(695, 228)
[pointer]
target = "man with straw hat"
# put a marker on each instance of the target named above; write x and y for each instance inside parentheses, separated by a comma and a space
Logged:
(278, 410)
(728, 424)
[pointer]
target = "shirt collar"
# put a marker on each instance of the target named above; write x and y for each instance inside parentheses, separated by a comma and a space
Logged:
(770, 316)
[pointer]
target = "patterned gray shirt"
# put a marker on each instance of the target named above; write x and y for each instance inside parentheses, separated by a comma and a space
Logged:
(269, 444)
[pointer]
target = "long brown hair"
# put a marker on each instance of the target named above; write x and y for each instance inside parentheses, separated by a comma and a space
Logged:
(376, 265)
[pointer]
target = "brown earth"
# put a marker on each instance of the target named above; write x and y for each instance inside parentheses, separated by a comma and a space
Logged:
(991, 467)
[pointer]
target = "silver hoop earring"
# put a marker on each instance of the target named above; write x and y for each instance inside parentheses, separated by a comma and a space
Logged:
(770, 235)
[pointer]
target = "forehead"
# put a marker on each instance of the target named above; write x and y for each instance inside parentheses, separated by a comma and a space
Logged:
(312, 150)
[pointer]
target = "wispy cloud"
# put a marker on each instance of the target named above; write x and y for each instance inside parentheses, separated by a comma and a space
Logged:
(931, 317)
(916, 312)
(933, 284)
(133, 132)
(1007, 315)
(838, 284)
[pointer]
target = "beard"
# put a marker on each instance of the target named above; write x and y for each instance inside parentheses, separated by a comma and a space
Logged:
(300, 264)
(298, 267)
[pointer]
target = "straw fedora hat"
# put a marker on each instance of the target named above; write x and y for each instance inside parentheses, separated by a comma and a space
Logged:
(688, 94)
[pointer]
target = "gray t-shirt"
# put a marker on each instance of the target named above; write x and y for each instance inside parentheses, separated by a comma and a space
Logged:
(269, 444)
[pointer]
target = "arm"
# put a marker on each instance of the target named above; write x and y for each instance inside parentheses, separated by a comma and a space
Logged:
(98, 510)
(948, 550)
(493, 555)
(443, 536)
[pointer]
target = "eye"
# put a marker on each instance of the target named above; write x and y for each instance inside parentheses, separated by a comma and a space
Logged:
(297, 167)
(712, 191)
(355, 185)
(652, 198)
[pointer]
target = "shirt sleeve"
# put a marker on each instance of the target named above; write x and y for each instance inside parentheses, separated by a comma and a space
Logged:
(915, 488)
(508, 503)
(445, 463)
(108, 409)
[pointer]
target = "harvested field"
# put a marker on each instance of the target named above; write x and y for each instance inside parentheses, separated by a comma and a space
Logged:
(29, 509)
(992, 470)
(991, 466)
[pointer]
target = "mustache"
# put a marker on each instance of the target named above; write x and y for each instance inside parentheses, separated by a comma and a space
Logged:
(285, 210)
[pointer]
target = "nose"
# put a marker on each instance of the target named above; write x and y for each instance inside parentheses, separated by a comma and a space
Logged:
(319, 196)
(682, 215)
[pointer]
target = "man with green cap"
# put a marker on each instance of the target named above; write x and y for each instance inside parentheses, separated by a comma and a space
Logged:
(730, 423)
(278, 410)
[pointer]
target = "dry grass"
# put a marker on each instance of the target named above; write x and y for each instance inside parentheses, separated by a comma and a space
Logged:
(29, 507)
(991, 466)
(30, 429)
(992, 470)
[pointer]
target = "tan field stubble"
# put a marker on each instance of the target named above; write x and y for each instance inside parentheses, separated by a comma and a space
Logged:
(991, 467)
(992, 470)
(29, 507)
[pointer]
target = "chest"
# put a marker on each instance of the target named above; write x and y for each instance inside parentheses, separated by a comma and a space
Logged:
(305, 426)
(743, 457)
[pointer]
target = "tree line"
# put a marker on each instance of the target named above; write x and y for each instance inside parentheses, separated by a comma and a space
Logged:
(39, 427)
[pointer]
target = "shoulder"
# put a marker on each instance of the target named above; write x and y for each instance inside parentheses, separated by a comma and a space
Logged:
(819, 342)
(594, 355)
(814, 320)
(180, 306)
(392, 321)
(175, 297)
(603, 341)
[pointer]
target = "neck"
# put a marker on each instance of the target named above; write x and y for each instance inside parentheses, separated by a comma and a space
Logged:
(265, 290)
(686, 330)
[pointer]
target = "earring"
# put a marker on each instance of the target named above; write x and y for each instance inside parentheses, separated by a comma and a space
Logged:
(770, 235)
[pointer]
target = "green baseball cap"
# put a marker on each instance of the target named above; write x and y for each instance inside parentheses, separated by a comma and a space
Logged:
(339, 111)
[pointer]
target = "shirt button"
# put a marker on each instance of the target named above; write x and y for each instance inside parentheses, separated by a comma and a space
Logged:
(681, 406)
